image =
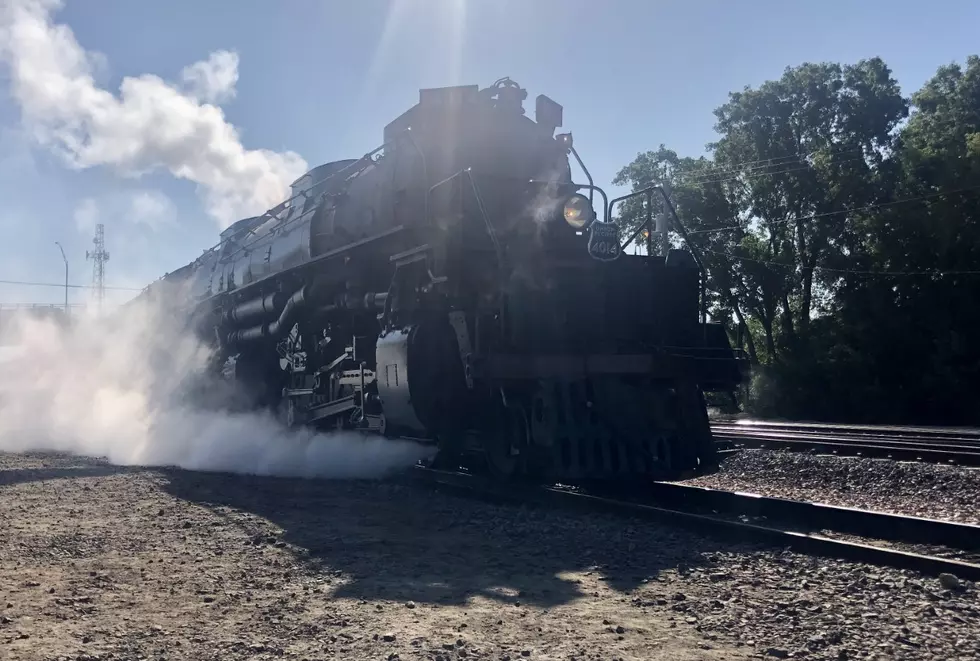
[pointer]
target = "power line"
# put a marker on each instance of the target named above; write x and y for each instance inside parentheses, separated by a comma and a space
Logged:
(884, 274)
(62, 285)
(825, 214)
(827, 269)
(758, 166)
(4, 307)
(756, 175)
(749, 174)
(747, 167)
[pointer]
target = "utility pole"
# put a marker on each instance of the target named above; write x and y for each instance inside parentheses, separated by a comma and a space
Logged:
(66, 276)
(99, 257)
(663, 222)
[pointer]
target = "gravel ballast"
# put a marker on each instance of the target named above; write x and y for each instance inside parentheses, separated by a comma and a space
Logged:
(99, 562)
(917, 489)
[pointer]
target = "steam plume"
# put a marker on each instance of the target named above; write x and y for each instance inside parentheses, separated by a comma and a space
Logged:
(116, 388)
(150, 125)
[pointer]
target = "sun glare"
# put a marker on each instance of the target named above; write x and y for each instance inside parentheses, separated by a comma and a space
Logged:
(440, 27)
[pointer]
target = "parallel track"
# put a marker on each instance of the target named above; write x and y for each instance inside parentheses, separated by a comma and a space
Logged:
(697, 508)
(954, 446)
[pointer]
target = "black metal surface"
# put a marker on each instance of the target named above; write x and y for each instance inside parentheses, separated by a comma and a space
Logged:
(393, 360)
(802, 542)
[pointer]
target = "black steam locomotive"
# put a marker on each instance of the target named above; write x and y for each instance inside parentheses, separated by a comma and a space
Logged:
(456, 286)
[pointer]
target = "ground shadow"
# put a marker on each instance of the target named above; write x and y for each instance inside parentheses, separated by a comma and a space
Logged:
(395, 541)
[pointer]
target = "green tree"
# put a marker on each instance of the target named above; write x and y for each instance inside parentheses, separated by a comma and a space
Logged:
(805, 145)
(921, 249)
(813, 141)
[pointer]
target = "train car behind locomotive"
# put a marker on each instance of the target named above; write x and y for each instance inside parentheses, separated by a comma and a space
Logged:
(456, 286)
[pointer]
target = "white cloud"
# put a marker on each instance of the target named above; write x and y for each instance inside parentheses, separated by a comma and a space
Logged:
(213, 80)
(151, 124)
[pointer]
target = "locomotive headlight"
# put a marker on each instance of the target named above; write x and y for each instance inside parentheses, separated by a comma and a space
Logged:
(578, 211)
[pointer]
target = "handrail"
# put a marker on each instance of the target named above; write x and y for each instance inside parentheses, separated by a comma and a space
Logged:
(425, 166)
(679, 226)
(648, 223)
(428, 192)
(588, 176)
(504, 314)
(468, 172)
(483, 212)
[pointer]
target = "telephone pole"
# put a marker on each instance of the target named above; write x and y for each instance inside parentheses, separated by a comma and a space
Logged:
(663, 222)
(99, 257)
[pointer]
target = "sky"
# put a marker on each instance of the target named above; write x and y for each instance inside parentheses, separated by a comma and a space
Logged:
(167, 121)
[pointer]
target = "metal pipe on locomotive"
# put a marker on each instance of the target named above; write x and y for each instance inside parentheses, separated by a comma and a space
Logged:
(457, 287)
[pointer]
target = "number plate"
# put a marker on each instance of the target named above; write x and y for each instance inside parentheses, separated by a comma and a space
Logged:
(604, 241)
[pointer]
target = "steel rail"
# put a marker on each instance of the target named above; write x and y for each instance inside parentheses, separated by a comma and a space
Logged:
(857, 442)
(865, 450)
(821, 516)
(963, 453)
(911, 445)
(852, 429)
(924, 444)
(781, 537)
(962, 441)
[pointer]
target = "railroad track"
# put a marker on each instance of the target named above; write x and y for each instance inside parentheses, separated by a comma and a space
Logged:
(955, 446)
(750, 517)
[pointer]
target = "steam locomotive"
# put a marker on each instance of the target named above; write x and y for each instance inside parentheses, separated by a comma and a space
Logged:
(456, 286)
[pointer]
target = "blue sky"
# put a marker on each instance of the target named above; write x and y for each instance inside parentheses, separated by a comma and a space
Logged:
(321, 79)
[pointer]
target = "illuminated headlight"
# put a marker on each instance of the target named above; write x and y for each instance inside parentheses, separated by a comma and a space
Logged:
(578, 211)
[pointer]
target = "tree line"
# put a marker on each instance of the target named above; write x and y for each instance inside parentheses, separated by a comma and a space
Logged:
(838, 222)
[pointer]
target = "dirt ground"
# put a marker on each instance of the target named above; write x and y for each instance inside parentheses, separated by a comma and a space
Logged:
(100, 562)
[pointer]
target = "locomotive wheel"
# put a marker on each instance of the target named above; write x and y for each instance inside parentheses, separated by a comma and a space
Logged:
(505, 451)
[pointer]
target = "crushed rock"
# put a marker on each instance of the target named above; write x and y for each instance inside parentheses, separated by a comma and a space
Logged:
(274, 568)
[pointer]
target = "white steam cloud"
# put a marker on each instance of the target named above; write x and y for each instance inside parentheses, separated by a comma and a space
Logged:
(151, 125)
(116, 389)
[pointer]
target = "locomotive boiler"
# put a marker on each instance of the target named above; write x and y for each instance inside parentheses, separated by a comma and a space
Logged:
(457, 286)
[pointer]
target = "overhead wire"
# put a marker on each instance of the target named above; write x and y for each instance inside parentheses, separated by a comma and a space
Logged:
(933, 272)
(761, 164)
(867, 207)
(930, 272)
(63, 285)
(756, 175)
